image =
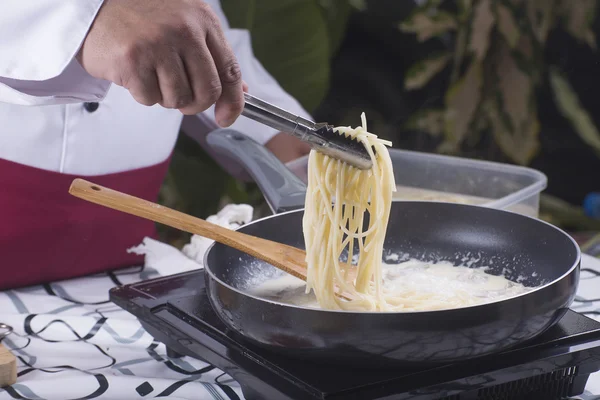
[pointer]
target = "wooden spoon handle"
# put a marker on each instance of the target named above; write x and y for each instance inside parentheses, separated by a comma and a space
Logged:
(148, 210)
(287, 258)
(8, 367)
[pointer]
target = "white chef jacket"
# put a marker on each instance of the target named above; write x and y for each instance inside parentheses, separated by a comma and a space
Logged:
(43, 90)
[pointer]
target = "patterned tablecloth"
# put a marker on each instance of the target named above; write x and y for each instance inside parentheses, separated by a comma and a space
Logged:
(72, 343)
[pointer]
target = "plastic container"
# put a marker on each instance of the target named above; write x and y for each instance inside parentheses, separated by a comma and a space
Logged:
(433, 177)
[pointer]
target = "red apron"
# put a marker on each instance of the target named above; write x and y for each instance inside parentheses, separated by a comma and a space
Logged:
(48, 235)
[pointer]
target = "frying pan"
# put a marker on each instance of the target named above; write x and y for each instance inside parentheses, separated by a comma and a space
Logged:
(520, 247)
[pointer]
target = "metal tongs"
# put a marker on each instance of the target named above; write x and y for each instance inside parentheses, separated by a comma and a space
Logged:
(320, 136)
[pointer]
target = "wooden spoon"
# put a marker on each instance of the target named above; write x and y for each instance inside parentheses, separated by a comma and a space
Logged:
(286, 258)
(8, 367)
(8, 362)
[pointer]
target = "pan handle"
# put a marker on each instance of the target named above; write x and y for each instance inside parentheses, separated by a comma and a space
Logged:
(282, 189)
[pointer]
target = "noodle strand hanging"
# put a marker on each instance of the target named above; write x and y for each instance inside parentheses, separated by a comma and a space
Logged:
(338, 198)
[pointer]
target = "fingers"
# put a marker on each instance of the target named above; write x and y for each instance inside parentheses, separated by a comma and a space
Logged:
(144, 86)
(166, 84)
(175, 88)
(204, 80)
(231, 102)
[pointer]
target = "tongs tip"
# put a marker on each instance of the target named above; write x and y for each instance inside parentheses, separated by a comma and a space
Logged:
(344, 148)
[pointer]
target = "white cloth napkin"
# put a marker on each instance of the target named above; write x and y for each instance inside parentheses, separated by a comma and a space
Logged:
(71, 342)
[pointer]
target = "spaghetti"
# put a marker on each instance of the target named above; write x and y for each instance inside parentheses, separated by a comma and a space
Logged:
(338, 198)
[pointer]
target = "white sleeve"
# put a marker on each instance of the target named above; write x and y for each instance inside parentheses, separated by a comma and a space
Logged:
(39, 40)
(261, 84)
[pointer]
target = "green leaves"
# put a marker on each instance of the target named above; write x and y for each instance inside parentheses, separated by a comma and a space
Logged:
(427, 23)
(497, 65)
(462, 99)
(483, 22)
(430, 121)
(358, 4)
(570, 106)
(507, 24)
(541, 16)
(291, 40)
(514, 123)
(422, 72)
(578, 17)
(240, 14)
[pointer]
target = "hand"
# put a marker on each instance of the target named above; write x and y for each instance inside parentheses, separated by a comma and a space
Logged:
(287, 148)
(173, 53)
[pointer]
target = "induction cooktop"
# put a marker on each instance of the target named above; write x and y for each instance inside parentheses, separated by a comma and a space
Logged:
(176, 311)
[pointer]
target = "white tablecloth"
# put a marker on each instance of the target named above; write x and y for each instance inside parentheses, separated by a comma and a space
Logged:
(72, 343)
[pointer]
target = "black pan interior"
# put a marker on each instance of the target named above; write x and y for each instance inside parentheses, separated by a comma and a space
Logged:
(523, 249)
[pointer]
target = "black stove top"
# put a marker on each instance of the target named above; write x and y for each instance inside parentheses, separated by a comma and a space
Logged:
(176, 311)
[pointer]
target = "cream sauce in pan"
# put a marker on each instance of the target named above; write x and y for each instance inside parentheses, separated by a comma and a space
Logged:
(443, 285)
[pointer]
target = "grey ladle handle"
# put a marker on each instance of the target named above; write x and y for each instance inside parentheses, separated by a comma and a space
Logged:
(282, 189)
